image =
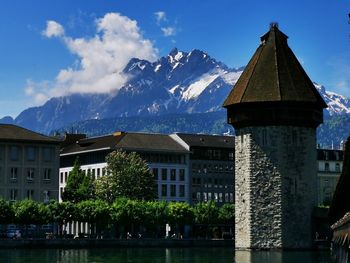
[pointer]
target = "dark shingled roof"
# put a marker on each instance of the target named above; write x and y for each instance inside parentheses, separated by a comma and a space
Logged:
(150, 142)
(274, 74)
(107, 142)
(126, 141)
(341, 198)
(202, 140)
(9, 132)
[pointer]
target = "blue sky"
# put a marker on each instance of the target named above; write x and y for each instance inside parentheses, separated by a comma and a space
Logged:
(52, 48)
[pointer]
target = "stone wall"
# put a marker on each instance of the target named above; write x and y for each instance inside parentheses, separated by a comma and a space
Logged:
(275, 186)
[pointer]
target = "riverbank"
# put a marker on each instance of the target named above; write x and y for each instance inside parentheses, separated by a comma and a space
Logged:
(117, 243)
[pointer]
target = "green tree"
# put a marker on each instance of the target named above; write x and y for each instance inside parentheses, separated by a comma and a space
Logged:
(206, 214)
(30, 212)
(127, 213)
(62, 213)
(180, 214)
(95, 212)
(80, 186)
(227, 214)
(6, 212)
(156, 215)
(127, 176)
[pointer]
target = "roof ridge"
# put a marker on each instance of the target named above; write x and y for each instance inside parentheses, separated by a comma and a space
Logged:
(277, 67)
(253, 70)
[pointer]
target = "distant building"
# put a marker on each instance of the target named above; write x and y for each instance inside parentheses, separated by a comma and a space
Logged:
(330, 166)
(211, 166)
(29, 164)
(166, 159)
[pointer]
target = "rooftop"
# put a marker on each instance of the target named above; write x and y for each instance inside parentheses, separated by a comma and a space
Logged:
(274, 74)
(10, 132)
(203, 140)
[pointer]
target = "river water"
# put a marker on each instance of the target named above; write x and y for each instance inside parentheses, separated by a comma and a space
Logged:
(161, 255)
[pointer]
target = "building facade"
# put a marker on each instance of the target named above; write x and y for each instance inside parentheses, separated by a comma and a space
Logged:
(211, 167)
(29, 164)
(166, 159)
(330, 166)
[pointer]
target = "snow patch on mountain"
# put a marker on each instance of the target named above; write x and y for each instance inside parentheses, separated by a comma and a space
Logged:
(337, 104)
(196, 88)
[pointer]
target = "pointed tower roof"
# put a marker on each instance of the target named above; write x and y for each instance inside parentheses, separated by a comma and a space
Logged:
(274, 77)
(274, 74)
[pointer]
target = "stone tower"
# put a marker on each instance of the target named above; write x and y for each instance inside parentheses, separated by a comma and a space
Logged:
(275, 109)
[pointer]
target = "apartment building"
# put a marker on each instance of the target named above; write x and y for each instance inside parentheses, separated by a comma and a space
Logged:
(29, 164)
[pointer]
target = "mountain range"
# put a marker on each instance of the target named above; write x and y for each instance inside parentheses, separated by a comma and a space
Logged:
(174, 86)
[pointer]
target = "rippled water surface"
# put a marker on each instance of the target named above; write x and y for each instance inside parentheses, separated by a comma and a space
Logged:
(171, 255)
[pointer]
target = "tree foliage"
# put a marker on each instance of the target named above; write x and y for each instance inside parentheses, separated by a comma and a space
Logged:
(181, 213)
(227, 214)
(30, 212)
(6, 212)
(127, 176)
(80, 186)
(206, 213)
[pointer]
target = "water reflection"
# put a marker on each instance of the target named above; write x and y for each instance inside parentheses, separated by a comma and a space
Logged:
(282, 257)
(159, 255)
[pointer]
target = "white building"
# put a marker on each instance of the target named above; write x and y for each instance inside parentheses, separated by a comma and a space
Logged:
(167, 159)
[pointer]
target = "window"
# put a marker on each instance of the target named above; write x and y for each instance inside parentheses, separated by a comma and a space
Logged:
(61, 191)
(182, 175)
(30, 194)
(209, 196)
(326, 167)
(220, 197)
(198, 195)
(14, 173)
(155, 173)
(216, 199)
(205, 197)
(47, 154)
(172, 190)
(231, 197)
(14, 153)
(61, 176)
(65, 177)
(30, 174)
(164, 190)
(98, 172)
(231, 156)
(46, 196)
(13, 194)
(47, 174)
(337, 167)
(226, 197)
(173, 174)
(164, 174)
(31, 154)
(181, 191)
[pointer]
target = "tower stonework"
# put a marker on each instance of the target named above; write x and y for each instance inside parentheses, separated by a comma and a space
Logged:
(275, 109)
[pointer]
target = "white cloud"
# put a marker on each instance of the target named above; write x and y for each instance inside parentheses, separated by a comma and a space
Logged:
(160, 16)
(53, 29)
(168, 31)
(101, 58)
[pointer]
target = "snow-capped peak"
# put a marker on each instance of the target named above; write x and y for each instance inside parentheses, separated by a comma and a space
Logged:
(337, 104)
